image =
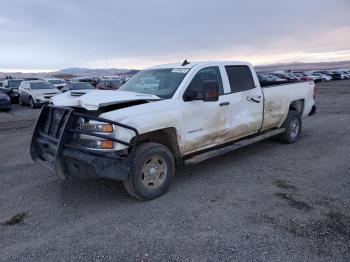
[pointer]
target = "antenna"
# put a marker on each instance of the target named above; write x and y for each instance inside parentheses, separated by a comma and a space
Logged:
(185, 62)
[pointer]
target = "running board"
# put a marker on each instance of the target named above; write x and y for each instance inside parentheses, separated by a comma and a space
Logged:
(217, 152)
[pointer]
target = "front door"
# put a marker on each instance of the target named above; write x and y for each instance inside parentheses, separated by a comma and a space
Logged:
(204, 123)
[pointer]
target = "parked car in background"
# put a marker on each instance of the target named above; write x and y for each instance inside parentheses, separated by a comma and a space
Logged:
(77, 86)
(270, 79)
(285, 76)
(344, 73)
(325, 72)
(36, 92)
(10, 88)
(58, 83)
(264, 80)
(5, 102)
(276, 78)
(91, 80)
(302, 76)
(337, 75)
(323, 77)
(312, 77)
(293, 76)
(109, 84)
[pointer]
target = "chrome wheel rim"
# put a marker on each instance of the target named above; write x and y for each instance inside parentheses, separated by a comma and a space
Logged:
(154, 172)
(294, 126)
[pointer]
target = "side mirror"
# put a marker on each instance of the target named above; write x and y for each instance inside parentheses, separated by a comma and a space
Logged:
(210, 91)
(190, 96)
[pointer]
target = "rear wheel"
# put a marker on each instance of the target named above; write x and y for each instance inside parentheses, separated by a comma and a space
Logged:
(293, 125)
(152, 169)
(31, 103)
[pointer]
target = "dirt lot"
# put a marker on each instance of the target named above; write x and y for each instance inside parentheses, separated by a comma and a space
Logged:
(265, 202)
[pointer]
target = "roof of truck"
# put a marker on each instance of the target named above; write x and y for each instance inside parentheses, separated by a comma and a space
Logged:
(194, 63)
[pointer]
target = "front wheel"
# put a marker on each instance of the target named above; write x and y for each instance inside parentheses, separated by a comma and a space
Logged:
(31, 103)
(152, 169)
(293, 125)
(20, 101)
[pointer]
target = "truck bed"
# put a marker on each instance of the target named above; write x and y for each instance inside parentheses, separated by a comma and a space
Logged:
(277, 99)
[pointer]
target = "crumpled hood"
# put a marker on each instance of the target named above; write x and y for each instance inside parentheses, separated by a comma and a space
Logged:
(93, 100)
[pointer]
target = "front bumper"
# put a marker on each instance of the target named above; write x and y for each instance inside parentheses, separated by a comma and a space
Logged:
(80, 165)
(5, 105)
(53, 144)
(13, 95)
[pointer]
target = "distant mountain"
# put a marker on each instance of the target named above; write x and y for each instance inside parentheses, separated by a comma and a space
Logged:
(304, 66)
(78, 71)
(72, 72)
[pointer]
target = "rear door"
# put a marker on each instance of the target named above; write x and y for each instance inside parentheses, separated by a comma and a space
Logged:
(246, 98)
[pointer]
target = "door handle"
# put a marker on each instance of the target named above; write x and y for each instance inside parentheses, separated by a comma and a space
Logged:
(224, 104)
(254, 99)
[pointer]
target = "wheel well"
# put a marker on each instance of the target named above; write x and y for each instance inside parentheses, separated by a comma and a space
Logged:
(166, 137)
(297, 105)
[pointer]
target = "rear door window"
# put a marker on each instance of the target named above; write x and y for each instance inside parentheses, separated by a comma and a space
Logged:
(240, 78)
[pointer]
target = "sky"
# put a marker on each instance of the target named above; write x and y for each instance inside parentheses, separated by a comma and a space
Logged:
(47, 35)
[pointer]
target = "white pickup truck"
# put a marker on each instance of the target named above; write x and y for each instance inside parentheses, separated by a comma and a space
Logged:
(166, 116)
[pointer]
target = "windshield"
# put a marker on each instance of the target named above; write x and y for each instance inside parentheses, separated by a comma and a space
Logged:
(159, 82)
(56, 81)
(14, 83)
(41, 85)
(79, 86)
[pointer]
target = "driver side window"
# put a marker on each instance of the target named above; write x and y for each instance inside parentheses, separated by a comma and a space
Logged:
(205, 74)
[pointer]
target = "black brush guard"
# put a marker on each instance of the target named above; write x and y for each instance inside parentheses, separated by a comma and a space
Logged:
(54, 144)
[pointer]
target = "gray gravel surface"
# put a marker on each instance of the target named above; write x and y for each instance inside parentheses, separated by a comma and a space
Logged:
(265, 202)
(17, 117)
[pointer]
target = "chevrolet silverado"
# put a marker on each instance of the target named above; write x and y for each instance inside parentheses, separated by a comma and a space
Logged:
(163, 117)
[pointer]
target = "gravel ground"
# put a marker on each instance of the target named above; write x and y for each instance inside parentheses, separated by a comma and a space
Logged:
(265, 202)
(18, 117)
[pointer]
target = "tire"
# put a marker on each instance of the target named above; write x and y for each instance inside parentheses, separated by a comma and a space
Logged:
(293, 125)
(20, 101)
(152, 169)
(31, 103)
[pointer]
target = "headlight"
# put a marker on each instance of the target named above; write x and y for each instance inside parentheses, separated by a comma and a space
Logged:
(96, 144)
(98, 128)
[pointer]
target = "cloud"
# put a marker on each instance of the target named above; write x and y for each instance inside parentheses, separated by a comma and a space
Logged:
(47, 34)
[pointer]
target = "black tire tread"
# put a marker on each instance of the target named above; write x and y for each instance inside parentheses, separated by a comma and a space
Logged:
(140, 150)
(31, 98)
(284, 137)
